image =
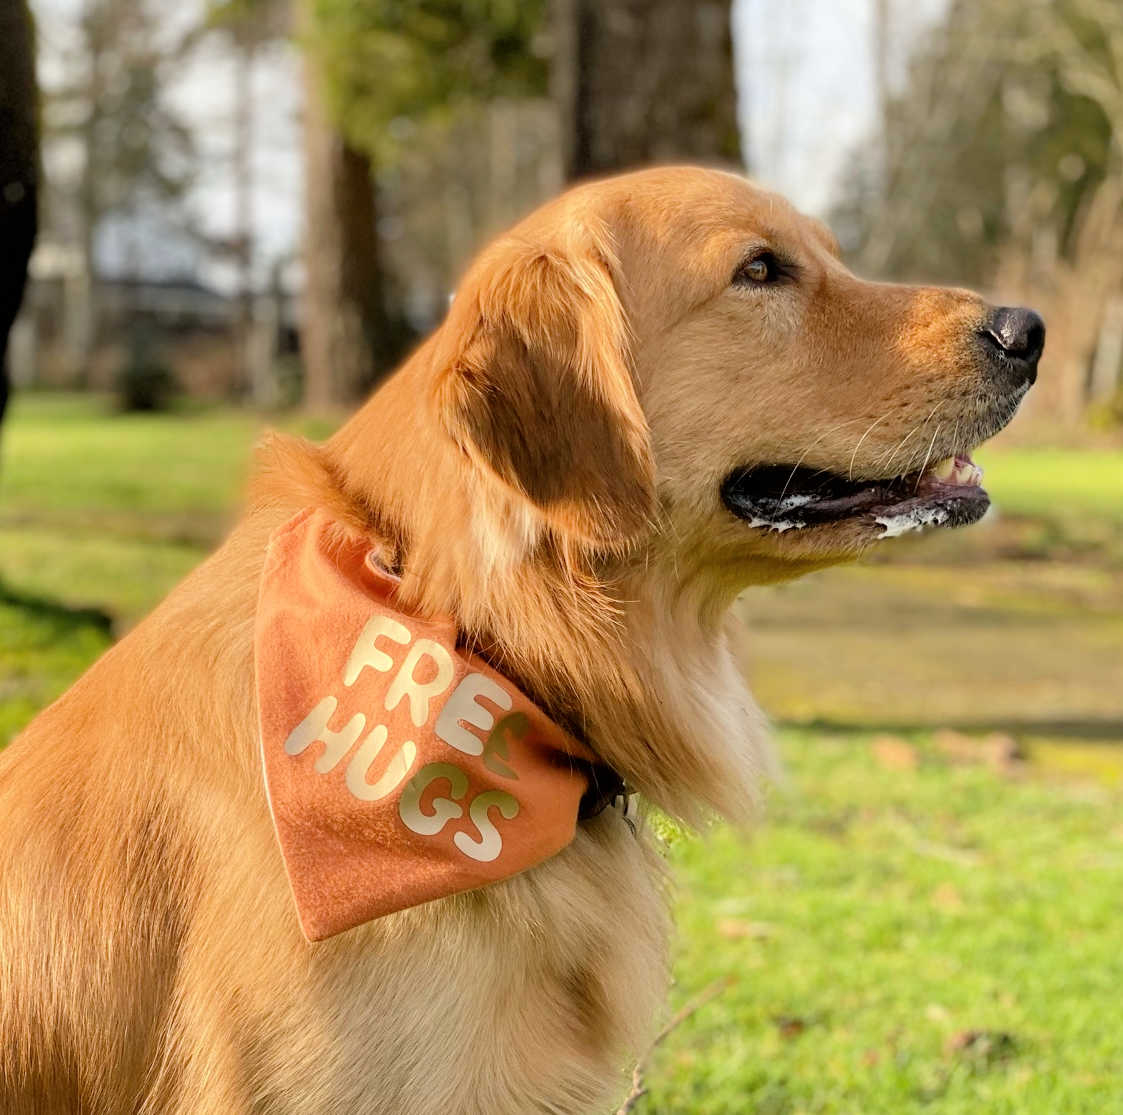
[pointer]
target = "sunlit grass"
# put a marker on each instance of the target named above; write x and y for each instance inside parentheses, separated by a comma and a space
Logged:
(1055, 482)
(66, 455)
(882, 916)
(100, 515)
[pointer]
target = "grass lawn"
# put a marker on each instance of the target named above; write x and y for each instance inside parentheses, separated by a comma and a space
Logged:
(937, 938)
(1081, 483)
(920, 923)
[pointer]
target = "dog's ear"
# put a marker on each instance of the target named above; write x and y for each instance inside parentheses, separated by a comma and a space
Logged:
(535, 385)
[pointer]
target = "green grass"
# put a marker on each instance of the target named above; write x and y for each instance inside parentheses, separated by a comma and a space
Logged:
(70, 460)
(100, 515)
(883, 910)
(878, 915)
(1055, 481)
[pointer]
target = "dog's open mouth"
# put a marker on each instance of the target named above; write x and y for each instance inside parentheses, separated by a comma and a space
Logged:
(787, 497)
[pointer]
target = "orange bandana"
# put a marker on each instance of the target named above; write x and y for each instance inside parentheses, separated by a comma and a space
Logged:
(398, 769)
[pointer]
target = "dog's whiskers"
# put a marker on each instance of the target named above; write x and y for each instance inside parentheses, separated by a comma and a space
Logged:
(826, 433)
(869, 430)
(927, 456)
(908, 437)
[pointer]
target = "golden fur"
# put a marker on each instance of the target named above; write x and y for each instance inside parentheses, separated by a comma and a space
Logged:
(545, 467)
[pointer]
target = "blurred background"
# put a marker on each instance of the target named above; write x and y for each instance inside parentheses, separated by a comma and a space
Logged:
(217, 216)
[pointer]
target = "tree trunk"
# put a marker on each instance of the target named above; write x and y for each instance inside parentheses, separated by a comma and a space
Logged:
(18, 167)
(344, 335)
(82, 294)
(644, 81)
(245, 49)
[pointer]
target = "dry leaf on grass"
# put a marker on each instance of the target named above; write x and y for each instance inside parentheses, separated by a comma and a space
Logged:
(733, 929)
(946, 897)
(956, 746)
(981, 1046)
(894, 753)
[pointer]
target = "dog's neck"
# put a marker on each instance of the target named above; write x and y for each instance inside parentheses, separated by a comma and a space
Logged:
(621, 652)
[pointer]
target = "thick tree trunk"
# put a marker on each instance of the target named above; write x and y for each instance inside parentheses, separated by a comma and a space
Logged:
(644, 81)
(344, 337)
(18, 167)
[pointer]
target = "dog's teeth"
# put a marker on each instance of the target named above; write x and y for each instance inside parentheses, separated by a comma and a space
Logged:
(968, 474)
(955, 470)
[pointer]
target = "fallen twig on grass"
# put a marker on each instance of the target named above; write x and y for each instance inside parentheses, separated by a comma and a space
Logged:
(690, 1007)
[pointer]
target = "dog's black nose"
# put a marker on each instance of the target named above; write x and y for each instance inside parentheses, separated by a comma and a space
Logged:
(1016, 337)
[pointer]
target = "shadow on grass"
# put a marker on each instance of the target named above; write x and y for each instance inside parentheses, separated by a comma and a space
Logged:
(198, 529)
(60, 617)
(1100, 729)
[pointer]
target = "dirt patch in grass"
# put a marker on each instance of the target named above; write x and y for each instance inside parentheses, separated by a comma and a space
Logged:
(1035, 649)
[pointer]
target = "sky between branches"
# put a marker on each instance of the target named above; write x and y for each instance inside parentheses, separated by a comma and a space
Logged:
(804, 70)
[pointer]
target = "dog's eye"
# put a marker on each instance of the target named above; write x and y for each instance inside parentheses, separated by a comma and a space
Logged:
(761, 269)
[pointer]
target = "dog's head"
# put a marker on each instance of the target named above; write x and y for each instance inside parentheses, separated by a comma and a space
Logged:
(680, 357)
(654, 391)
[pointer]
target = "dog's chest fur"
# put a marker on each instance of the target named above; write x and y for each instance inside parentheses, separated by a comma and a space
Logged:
(533, 995)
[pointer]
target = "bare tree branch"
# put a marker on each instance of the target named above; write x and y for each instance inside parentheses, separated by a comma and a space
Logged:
(689, 1008)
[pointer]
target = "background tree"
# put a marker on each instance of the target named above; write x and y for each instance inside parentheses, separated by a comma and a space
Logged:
(19, 176)
(450, 102)
(1004, 168)
(344, 342)
(135, 155)
(248, 25)
(643, 81)
(377, 72)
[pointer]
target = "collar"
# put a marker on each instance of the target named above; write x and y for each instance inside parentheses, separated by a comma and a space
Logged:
(399, 768)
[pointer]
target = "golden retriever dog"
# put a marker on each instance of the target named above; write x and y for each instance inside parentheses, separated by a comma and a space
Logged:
(654, 392)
